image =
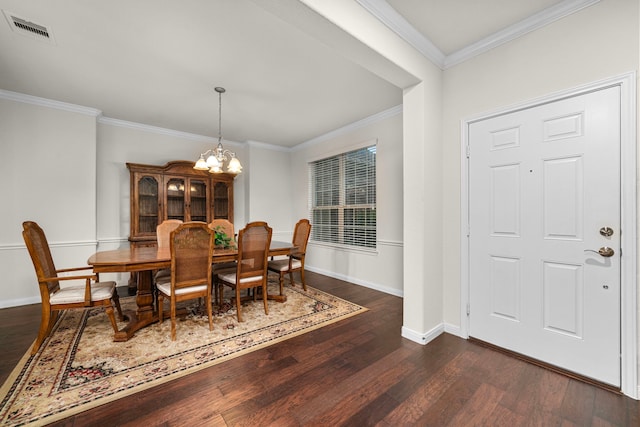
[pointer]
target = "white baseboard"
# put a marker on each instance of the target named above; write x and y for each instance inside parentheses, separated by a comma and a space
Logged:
(19, 301)
(423, 338)
(356, 281)
(454, 330)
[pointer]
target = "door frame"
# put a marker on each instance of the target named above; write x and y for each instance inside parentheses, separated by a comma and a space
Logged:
(628, 224)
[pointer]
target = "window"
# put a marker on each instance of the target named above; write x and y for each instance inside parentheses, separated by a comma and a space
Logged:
(343, 198)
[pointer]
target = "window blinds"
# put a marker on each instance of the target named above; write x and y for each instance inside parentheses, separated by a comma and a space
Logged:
(342, 192)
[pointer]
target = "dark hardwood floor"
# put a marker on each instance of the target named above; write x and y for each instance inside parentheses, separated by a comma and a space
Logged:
(357, 372)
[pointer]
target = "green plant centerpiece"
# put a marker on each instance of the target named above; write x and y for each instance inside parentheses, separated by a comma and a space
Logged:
(222, 240)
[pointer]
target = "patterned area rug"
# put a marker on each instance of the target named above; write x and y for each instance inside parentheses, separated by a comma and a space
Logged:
(79, 367)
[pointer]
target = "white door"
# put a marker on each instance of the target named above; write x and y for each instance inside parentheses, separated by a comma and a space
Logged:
(544, 198)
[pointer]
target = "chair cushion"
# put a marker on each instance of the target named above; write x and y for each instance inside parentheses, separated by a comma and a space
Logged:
(165, 288)
(68, 295)
(283, 264)
(163, 280)
(162, 273)
(231, 278)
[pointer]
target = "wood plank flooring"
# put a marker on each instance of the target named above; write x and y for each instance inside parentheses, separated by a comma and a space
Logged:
(357, 372)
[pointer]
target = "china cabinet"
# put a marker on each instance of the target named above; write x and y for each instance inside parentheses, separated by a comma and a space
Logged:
(175, 191)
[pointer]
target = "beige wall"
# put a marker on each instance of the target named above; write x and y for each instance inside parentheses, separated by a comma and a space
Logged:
(47, 158)
(381, 269)
(269, 194)
(83, 168)
(597, 43)
(121, 142)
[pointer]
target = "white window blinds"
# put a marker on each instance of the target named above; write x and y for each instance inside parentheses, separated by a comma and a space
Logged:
(342, 191)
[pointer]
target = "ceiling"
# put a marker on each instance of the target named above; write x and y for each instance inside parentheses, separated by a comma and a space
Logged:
(157, 62)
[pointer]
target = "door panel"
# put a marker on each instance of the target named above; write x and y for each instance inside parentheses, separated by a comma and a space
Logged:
(542, 183)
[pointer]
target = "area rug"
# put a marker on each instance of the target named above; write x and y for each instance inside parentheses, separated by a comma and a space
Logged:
(79, 366)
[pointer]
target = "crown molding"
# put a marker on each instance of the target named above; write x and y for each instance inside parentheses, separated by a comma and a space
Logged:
(532, 23)
(392, 19)
(396, 22)
(163, 131)
(267, 146)
(393, 111)
(48, 103)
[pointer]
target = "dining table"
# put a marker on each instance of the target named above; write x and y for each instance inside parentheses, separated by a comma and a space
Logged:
(144, 261)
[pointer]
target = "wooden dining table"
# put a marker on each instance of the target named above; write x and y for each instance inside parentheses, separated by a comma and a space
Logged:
(144, 261)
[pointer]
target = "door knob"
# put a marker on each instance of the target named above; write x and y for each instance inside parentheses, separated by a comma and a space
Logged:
(606, 231)
(604, 251)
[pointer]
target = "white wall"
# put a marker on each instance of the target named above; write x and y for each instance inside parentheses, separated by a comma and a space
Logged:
(381, 269)
(47, 157)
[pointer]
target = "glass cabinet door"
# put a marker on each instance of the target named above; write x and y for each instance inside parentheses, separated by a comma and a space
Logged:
(175, 198)
(147, 193)
(198, 200)
(221, 200)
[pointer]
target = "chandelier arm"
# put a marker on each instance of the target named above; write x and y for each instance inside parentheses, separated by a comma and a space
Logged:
(216, 156)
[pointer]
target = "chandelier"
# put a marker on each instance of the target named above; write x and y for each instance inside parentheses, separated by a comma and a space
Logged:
(215, 157)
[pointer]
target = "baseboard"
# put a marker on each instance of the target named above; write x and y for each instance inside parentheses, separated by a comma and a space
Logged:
(454, 330)
(356, 281)
(19, 301)
(423, 338)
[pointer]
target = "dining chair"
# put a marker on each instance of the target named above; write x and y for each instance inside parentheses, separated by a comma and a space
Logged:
(251, 268)
(226, 226)
(191, 246)
(295, 261)
(163, 232)
(56, 298)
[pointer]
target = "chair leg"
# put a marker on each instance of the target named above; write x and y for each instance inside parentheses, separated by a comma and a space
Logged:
(116, 301)
(173, 318)
(210, 311)
(264, 297)
(160, 305)
(215, 288)
(238, 304)
(304, 282)
(220, 286)
(293, 284)
(281, 283)
(46, 323)
(109, 310)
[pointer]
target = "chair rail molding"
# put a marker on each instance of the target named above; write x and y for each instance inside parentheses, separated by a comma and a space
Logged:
(70, 244)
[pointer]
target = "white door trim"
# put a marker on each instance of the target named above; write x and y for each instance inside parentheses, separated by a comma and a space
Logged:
(628, 294)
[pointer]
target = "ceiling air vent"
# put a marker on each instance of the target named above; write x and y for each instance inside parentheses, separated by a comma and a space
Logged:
(28, 28)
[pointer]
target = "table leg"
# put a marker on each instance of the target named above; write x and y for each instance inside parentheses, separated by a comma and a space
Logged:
(278, 298)
(145, 314)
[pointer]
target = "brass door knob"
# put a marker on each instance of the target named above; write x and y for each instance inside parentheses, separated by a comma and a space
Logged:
(606, 251)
